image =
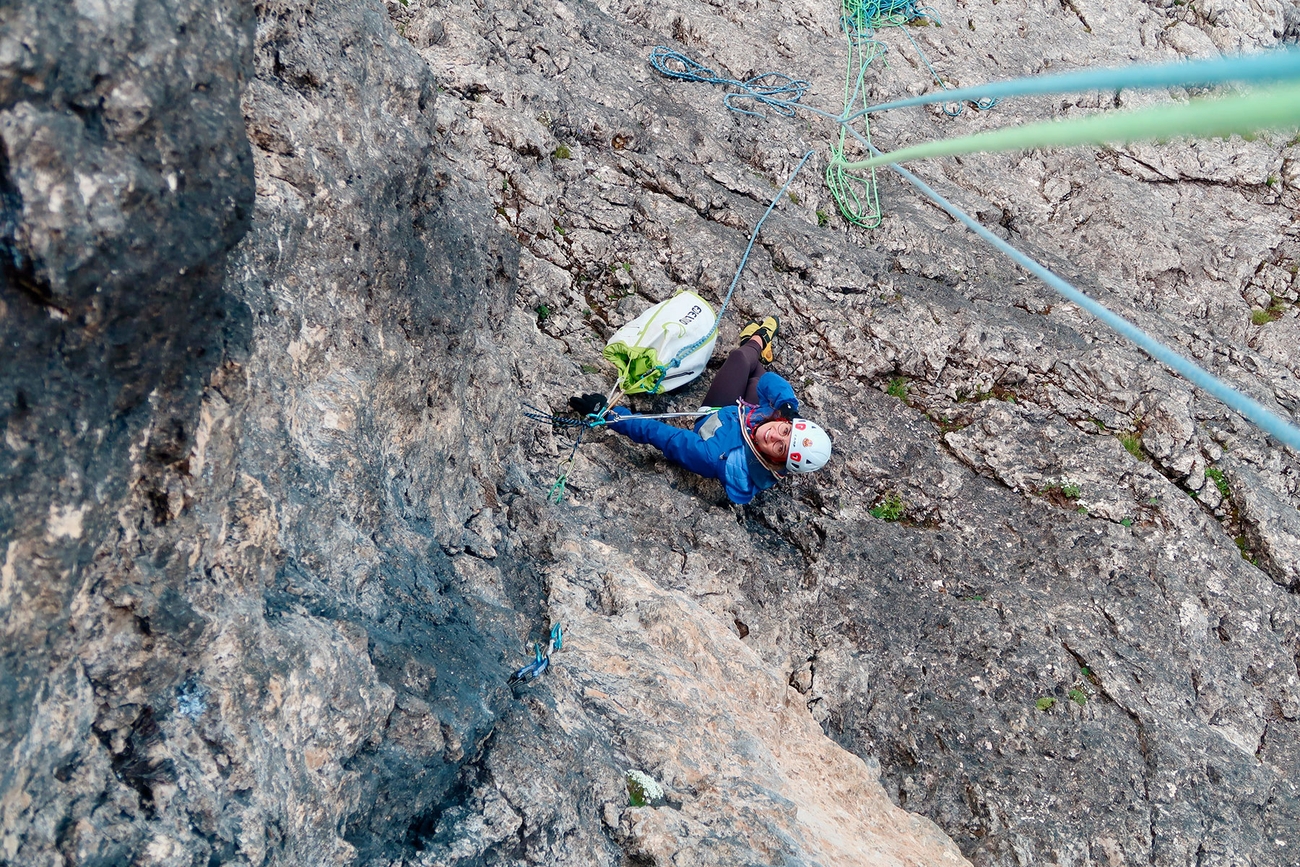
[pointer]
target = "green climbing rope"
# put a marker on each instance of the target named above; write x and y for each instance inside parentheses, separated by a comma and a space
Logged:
(855, 193)
(853, 187)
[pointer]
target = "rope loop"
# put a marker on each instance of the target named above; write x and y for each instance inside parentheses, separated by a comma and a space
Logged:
(776, 90)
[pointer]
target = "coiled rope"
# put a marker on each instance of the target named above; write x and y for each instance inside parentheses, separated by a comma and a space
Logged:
(776, 90)
(855, 193)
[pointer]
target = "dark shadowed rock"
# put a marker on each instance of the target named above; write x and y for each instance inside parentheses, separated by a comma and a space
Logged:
(125, 179)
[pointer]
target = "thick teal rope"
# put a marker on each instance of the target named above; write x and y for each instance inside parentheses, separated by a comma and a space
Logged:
(1265, 68)
(1261, 417)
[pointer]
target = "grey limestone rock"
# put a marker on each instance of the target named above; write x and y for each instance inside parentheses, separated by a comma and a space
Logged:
(280, 276)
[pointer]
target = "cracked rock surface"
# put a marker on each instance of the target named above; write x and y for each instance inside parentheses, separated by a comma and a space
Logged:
(279, 277)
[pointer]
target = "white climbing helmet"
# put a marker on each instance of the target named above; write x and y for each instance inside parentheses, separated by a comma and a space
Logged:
(809, 449)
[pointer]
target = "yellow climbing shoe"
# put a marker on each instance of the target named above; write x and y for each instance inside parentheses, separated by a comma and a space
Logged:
(765, 331)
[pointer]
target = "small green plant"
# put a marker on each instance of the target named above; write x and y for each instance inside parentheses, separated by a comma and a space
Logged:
(1271, 181)
(627, 267)
(1063, 493)
(1244, 547)
(889, 509)
(1132, 444)
(642, 789)
(1045, 703)
(562, 152)
(794, 197)
(1215, 475)
(542, 313)
(1101, 427)
(561, 230)
(1079, 697)
(823, 218)
(948, 425)
(1276, 307)
(897, 388)
(1127, 522)
(590, 368)
(1083, 510)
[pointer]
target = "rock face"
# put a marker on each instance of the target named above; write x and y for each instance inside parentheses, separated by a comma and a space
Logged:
(279, 278)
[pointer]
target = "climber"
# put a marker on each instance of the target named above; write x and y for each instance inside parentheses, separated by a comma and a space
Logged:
(751, 435)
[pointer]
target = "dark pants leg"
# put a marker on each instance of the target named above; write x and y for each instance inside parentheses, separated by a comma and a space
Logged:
(738, 377)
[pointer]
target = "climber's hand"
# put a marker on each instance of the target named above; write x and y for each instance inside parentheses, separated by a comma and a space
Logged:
(587, 404)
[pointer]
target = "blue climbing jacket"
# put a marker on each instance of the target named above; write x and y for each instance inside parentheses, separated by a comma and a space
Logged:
(715, 447)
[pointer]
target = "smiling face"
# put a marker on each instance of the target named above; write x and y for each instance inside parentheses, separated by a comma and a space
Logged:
(772, 439)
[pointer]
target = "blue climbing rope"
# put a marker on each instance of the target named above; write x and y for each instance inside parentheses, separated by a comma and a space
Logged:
(776, 90)
(686, 352)
(1260, 416)
(1264, 68)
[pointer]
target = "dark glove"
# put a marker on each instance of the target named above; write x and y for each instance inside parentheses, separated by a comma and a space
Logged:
(587, 404)
(788, 409)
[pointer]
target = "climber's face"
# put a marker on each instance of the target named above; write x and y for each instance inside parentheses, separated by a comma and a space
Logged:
(772, 439)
